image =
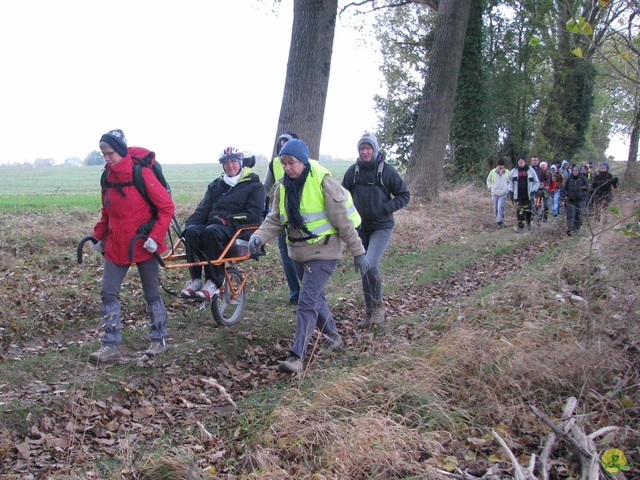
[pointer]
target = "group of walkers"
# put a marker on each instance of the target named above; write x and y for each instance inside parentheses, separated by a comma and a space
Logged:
(310, 213)
(576, 188)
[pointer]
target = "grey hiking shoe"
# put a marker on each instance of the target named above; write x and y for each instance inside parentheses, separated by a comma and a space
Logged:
(378, 314)
(331, 346)
(105, 354)
(293, 364)
(156, 348)
(366, 321)
(191, 287)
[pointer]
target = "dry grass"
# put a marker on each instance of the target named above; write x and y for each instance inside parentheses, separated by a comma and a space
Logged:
(457, 213)
(515, 347)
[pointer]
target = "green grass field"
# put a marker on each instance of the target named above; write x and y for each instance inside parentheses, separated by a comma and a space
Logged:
(79, 188)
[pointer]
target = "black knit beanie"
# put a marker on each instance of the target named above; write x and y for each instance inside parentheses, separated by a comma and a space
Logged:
(117, 140)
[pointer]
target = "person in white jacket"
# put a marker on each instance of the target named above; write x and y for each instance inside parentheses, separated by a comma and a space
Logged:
(498, 184)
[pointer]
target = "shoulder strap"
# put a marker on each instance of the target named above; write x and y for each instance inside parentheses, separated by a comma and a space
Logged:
(104, 184)
(379, 181)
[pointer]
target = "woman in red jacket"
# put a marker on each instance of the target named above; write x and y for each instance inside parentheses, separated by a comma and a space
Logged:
(124, 210)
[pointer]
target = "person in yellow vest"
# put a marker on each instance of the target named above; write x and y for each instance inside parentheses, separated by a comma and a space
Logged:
(318, 216)
(274, 173)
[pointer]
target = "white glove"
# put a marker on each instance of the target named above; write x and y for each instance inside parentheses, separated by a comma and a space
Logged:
(98, 246)
(150, 245)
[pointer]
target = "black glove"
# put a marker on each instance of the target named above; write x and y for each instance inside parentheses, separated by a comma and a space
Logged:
(218, 221)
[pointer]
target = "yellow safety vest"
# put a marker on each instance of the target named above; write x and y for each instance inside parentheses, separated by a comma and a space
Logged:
(312, 206)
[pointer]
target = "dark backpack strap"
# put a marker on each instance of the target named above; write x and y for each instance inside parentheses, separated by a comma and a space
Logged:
(138, 181)
(104, 184)
(379, 179)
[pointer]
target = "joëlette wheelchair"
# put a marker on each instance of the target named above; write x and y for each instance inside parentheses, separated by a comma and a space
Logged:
(227, 306)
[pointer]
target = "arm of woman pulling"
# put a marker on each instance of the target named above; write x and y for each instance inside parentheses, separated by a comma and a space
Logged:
(159, 196)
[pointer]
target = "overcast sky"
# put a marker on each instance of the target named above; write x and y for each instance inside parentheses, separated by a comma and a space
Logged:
(185, 79)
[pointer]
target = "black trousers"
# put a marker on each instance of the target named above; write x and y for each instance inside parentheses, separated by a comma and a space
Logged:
(206, 242)
(523, 211)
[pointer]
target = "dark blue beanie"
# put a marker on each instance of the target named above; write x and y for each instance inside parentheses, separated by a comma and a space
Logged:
(117, 141)
(296, 148)
(605, 164)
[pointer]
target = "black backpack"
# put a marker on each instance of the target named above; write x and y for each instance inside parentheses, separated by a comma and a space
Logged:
(148, 161)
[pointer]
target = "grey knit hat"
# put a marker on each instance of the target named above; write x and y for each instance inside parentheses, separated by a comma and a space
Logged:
(371, 139)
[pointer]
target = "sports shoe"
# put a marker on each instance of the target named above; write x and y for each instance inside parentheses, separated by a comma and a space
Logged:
(190, 288)
(208, 291)
(293, 364)
(105, 354)
(156, 348)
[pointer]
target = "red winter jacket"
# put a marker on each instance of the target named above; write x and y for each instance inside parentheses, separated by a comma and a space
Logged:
(123, 214)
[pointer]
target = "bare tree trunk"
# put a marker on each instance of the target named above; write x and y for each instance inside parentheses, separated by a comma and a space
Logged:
(424, 173)
(308, 67)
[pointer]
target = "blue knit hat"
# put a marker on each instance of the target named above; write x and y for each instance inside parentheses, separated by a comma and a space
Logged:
(296, 148)
(606, 165)
(117, 141)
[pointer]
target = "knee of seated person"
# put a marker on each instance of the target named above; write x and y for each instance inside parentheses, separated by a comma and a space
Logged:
(190, 232)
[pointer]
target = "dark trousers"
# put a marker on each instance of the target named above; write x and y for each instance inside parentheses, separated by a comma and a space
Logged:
(574, 215)
(206, 242)
(523, 211)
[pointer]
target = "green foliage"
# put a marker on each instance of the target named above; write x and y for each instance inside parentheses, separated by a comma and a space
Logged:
(470, 142)
(569, 116)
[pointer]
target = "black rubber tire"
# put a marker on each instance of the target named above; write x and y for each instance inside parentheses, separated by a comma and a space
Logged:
(225, 311)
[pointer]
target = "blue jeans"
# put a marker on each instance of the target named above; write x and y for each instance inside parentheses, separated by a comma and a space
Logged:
(289, 267)
(555, 202)
(375, 243)
(498, 206)
(112, 279)
(313, 309)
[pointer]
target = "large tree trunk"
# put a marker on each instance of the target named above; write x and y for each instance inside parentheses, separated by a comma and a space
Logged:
(424, 173)
(633, 139)
(307, 80)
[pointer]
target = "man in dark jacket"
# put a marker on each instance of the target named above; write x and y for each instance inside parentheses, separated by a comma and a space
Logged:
(602, 188)
(575, 190)
(232, 201)
(378, 191)
(523, 183)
